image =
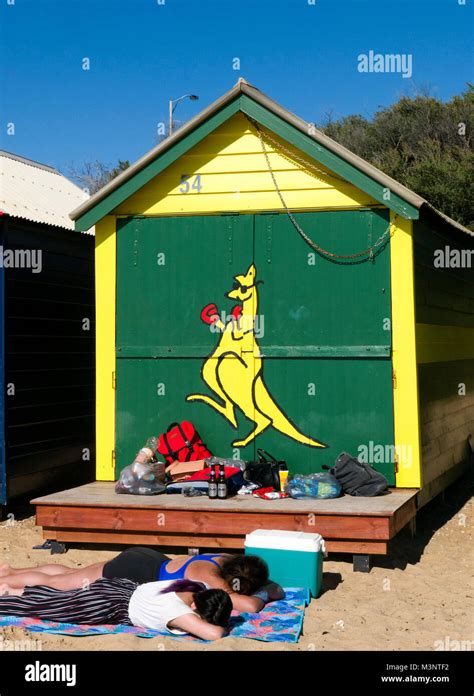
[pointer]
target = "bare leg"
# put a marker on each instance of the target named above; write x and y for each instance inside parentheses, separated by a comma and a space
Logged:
(48, 569)
(67, 581)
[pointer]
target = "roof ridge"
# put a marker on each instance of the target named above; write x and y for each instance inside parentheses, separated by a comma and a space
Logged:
(29, 162)
(244, 89)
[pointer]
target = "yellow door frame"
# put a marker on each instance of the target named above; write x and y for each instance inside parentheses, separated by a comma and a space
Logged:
(405, 377)
(105, 273)
(405, 391)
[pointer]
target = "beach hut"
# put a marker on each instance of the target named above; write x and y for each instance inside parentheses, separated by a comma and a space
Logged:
(47, 332)
(339, 326)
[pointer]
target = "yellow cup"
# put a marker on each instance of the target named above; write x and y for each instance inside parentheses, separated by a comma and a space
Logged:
(283, 476)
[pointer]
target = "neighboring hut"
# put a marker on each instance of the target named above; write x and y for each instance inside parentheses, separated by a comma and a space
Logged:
(365, 344)
(47, 330)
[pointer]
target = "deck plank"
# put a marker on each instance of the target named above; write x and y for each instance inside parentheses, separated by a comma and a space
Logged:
(94, 513)
(207, 522)
(193, 541)
(102, 494)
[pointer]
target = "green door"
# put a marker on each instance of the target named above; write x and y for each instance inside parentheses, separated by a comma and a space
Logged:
(326, 340)
(168, 270)
(302, 367)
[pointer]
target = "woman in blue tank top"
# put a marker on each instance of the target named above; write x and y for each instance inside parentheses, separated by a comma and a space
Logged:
(239, 575)
(164, 574)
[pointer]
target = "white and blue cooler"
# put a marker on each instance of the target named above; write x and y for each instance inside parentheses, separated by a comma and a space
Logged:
(295, 559)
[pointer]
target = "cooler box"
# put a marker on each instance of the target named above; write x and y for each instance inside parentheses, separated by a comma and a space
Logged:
(295, 559)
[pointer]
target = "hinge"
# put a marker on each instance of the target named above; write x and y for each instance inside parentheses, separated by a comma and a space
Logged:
(114, 457)
(394, 379)
(395, 457)
(114, 380)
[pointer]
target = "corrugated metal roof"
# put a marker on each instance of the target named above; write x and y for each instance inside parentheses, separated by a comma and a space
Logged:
(244, 87)
(36, 192)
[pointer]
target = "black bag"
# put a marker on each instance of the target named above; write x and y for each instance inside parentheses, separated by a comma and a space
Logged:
(265, 472)
(357, 478)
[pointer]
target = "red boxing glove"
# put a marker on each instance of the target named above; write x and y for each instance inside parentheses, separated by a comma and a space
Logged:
(210, 314)
(237, 312)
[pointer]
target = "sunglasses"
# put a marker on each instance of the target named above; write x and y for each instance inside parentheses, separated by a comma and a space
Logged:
(237, 286)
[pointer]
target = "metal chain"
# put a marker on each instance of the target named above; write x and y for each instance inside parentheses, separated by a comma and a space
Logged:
(369, 252)
(293, 156)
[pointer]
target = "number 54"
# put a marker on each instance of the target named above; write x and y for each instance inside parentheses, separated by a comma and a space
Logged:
(186, 185)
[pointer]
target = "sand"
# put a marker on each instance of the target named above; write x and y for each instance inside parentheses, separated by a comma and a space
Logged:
(418, 598)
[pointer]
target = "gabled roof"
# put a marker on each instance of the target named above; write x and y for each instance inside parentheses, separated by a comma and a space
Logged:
(36, 192)
(249, 100)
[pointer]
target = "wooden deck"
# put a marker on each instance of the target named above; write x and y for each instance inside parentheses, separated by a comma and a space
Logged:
(94, 513)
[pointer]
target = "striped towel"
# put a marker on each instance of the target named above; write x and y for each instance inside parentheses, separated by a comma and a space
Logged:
(280, 621)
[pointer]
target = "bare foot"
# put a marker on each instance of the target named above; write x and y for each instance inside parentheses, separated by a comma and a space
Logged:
(7, 590)
(5, 569)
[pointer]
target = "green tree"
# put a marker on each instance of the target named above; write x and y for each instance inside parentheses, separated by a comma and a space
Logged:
(423, 143)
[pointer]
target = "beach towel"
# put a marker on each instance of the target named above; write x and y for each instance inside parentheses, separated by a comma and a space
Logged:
(280, 621)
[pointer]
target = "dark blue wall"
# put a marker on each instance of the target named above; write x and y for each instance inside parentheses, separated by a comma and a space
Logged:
(50, 416)
(3, 487)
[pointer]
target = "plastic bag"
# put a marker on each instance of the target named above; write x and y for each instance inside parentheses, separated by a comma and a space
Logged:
(312, 486)
(142, 478)
(215, 461)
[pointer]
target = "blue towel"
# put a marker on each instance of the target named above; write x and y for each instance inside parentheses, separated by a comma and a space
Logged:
(280, 621)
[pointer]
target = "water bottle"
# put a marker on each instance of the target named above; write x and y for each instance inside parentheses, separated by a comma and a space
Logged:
(145, 455)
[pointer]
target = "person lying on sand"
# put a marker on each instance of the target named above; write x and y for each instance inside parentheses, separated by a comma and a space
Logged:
(244, 578)
(179, 606)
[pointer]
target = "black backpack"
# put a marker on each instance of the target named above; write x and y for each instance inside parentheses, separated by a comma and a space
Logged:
(357, 478)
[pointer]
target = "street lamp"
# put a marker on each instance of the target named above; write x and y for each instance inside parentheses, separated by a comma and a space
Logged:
(174, 103)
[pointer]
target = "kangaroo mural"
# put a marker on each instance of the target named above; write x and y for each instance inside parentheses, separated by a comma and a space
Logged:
(234, 371)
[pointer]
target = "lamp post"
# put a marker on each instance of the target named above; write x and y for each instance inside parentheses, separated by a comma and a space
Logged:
(174, 103)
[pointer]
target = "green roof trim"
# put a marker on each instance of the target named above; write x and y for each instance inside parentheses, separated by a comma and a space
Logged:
(238, 100)
(162, 161)
(327, 158)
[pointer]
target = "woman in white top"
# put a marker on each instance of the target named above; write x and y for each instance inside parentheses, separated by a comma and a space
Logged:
(180, 606)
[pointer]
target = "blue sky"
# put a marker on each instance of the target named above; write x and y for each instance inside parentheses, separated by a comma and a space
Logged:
(142, 53)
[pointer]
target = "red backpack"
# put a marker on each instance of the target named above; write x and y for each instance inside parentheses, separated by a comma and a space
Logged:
(182, 443)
